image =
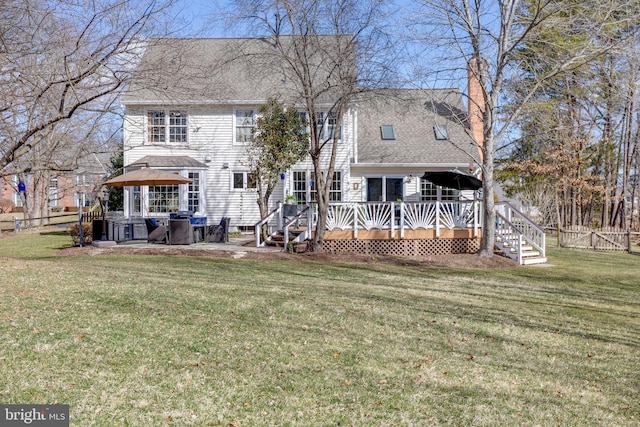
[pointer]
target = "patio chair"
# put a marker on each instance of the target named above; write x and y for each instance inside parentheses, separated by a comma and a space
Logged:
(156, 233)
(180, 232)
(218, 233)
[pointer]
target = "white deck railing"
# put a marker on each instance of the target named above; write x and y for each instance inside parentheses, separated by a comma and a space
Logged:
(401, 216)
(392, 216)
(514, 231)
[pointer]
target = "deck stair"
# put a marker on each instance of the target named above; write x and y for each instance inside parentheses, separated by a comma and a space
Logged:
(518, 237)
(287, 229)
(277, 238)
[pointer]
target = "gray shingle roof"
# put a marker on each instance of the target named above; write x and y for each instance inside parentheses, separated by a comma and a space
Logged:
(413, 114)
(168, 162)
(71, 158)
(205, 70)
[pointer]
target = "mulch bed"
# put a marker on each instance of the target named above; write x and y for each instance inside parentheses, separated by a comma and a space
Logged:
(451, 261)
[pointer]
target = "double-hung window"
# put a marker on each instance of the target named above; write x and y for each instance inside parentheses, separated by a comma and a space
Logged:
(156, 126)
(83, 180)
(326, 125)
(428, 191)
(332, 125)
(245, 123)
(177, 126)
(53, 192)
(167, 126)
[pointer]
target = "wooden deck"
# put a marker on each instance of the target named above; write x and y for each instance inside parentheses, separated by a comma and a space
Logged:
(412, 229)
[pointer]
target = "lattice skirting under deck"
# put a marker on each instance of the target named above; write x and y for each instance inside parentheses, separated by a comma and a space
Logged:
(409, 247)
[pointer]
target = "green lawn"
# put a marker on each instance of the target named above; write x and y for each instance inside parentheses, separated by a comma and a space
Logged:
(160, 340)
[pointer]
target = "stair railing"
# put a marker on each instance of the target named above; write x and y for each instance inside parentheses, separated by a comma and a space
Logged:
(302, 236)
(530, 231)
(258, 227)
(509, 236)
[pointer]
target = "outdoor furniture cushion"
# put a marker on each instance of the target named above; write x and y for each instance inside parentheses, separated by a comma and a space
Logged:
(218, 233)
(180, 232)
(155, 233)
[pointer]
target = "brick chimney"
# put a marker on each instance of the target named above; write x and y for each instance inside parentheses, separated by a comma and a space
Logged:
(476, 102)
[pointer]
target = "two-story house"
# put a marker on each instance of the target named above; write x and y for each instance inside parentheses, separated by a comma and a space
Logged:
(192, 107)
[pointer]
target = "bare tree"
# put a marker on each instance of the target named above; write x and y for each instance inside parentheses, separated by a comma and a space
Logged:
(333, 50)
(485, 38)
(63, 64)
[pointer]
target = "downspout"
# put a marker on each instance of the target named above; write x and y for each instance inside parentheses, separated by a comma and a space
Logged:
(355, 135)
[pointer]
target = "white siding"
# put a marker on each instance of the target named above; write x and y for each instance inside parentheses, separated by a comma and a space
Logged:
(210, 140)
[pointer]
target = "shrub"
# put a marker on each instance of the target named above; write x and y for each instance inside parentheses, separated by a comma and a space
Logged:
(74, 232)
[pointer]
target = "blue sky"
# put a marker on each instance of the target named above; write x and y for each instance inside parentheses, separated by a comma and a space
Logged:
(198, 14)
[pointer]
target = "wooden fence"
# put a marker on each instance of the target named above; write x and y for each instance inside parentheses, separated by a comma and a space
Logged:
(19, 222)
(606, 239)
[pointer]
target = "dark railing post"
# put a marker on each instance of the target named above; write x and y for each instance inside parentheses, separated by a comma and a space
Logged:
(80, 222)
(104, 220)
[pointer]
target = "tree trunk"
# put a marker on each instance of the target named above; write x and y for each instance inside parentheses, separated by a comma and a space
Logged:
(323, 207)
(489, 214)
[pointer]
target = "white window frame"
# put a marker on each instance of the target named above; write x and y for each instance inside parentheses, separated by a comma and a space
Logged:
(237, 125)
(53, 191)
(167, 207)
(383, 187)
(326, 124)
(443, 194)
(83, 180)
(196, 177)
(310, 190)
(245, 181)
(167, 136)
(138, 203)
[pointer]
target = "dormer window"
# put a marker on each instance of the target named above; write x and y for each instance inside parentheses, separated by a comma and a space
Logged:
(441, 132)
(387, 132)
